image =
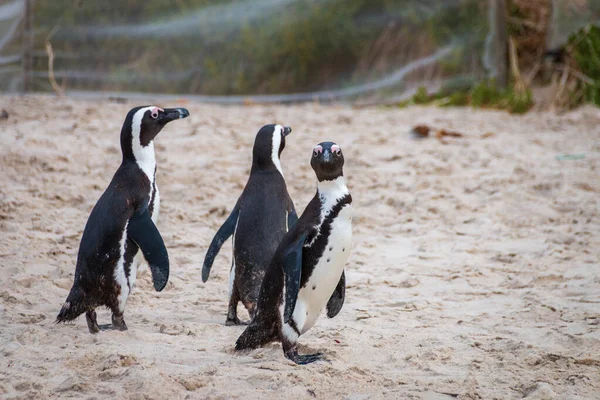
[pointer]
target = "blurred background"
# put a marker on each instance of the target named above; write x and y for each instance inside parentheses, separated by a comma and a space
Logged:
(453, 52)
(474, 271)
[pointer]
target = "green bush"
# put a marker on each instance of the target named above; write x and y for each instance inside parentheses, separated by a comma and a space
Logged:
(519, 102)
(484, 94)
(586, 53)
(421, 96)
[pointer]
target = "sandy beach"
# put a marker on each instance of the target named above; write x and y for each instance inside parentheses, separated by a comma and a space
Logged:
(474, 272)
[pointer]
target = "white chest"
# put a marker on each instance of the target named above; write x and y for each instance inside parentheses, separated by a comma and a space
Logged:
(148, 167)
(313, 298)
(139, 257)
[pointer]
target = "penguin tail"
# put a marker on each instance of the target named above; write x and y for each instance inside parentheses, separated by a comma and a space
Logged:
(256, 335)
(73, 307)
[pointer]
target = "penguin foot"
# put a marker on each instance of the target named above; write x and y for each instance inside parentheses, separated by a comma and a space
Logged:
(119, 323)
(235, 321)
(305, 358)
(92, 323)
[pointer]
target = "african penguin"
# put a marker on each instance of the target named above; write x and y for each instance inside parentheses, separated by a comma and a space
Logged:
(121, 222)
(260, 218)
(306, 273)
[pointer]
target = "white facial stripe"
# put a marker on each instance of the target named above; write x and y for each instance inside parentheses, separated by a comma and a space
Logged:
(144, 155)
(275, 149)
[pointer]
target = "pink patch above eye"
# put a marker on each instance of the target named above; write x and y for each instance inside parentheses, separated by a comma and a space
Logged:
(336, 149)
(318, 149)
(155, 110)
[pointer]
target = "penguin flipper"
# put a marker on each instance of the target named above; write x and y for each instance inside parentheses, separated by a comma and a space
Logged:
(292, 267)
(292, 218)
(144, 233)
(336, 301)
(221, 236)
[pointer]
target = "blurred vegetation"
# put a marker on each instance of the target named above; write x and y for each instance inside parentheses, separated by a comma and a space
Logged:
(248, 47)
(554, 53)
(528, 23)
(484, 94)
(234, 47)
(585, 50)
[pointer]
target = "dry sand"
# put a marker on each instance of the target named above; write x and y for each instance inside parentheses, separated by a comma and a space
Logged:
(474, 273)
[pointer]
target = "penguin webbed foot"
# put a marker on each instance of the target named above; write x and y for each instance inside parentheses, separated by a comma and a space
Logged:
(92, 322)
(304, 358)
(118, 322)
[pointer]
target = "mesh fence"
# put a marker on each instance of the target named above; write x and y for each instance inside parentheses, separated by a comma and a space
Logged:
(11, 33)
(273, 50)
(568, 17)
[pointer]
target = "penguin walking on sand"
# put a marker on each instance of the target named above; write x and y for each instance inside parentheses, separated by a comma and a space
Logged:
(306, 273)
(261, 217)
(120, 224)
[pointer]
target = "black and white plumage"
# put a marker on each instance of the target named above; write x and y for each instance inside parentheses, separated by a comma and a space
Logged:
(121, 223)
(306, 273)
(260, 218)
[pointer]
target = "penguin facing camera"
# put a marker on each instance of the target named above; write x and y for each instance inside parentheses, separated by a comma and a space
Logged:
(306, 273)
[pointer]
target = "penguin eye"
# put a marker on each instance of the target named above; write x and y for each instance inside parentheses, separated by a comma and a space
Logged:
(336, 150)
(154, 114)
(317, 150)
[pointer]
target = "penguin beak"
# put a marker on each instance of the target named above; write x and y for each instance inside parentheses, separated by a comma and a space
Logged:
(286, 131)
(326, 156)
(172, 114)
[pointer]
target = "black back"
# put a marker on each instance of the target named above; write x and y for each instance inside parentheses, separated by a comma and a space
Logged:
(263, 209)
(263, 147)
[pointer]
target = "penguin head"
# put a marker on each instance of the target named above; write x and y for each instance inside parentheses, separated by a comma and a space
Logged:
(142, 124)
(327, 161)
(268, 145)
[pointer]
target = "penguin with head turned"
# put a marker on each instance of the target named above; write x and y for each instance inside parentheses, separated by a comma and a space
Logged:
(306, 273)
(260, 218)
(121, 223)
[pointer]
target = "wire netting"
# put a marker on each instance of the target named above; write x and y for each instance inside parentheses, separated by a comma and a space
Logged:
(279, 50)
